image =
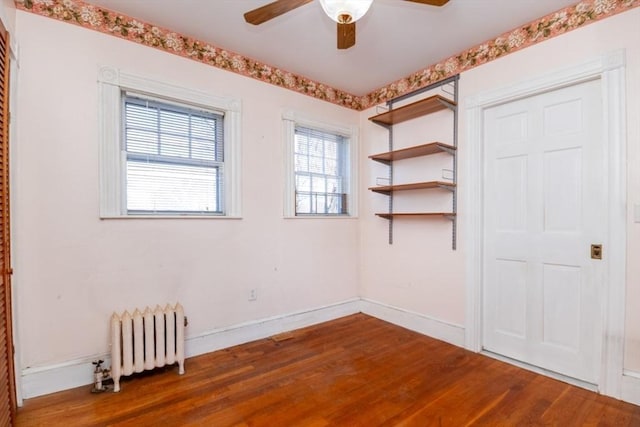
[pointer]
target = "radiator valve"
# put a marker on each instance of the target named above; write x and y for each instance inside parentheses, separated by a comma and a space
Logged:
(99, 375)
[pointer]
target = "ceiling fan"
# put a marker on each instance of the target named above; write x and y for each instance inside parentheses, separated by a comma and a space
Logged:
(344, 12)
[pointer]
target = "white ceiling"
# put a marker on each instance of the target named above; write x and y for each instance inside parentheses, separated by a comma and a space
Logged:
(394, 39)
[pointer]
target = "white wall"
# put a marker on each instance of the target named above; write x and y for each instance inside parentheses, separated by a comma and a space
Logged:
(420, 272)
(72, 269)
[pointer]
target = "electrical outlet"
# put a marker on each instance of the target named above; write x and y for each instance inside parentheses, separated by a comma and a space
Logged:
(253, 294)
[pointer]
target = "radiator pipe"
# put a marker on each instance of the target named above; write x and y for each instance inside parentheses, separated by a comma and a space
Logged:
(99, 375)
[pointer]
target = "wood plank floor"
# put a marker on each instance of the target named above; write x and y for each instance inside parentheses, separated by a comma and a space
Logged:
(354, 371)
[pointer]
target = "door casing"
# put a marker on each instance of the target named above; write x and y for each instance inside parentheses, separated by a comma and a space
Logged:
(609, 69)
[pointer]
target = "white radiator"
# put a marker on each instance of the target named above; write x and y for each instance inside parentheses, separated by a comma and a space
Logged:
(146, 340)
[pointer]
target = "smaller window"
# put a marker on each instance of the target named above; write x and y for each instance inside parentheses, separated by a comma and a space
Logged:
(321, 169)
(321, 172)
(174, 158)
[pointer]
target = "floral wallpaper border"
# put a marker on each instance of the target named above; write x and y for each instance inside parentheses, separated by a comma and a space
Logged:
(113, 23)
(122, 26)
(554, 24)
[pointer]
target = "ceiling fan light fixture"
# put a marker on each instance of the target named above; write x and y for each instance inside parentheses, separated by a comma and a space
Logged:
(345, 11)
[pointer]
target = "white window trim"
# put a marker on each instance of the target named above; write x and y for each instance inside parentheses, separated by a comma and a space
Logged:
(292, 118)
(111, 83)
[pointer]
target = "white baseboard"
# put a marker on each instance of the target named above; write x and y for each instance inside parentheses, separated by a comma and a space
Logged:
(447, 332)
(62, 376)
(631, 387)
(75, 373)
(263, 328)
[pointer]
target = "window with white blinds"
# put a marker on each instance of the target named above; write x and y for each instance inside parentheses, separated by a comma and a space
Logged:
(167, 151)
(321, 172)
(174, 158)
(320, 163)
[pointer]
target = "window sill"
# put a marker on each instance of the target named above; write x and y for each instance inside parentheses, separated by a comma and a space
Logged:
(170, 217)
(321, 217)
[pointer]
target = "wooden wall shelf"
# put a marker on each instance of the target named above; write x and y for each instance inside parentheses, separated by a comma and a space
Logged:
(411, 152)
(449, 215)
(386, 189)
(416, 109)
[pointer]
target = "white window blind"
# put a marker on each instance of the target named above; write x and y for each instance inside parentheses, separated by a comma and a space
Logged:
(174, 158)
(321, 166)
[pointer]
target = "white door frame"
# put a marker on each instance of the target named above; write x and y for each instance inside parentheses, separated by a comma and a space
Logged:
(610, 70)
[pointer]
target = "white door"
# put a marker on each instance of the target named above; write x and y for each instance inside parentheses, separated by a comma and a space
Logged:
(544, 208)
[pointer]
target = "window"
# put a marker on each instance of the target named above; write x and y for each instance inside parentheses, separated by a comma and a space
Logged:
(166, 151)
(321, 166)
(321, 175)
(175, 158)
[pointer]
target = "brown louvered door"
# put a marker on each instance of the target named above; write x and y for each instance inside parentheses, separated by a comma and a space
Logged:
(7, 380)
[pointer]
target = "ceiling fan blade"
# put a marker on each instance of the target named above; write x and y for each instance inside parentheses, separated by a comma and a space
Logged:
(431, 2)
(346, 35)
(272, 10)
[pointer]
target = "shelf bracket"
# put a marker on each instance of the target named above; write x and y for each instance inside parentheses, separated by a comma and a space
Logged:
(453, 90)
(448, 150)
(447, 187)
(384, 125)
(449, 105)
(384, 162)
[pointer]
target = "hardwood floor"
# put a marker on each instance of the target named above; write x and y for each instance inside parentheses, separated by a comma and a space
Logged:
(354, 371)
